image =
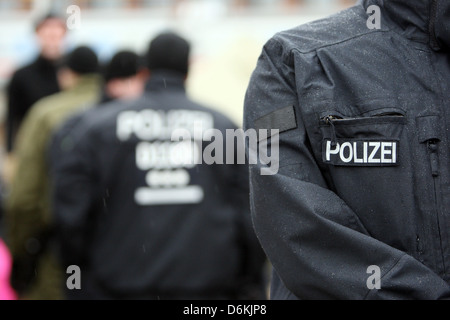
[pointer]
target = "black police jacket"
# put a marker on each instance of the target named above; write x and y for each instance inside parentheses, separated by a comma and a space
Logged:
(359, 208)
(142, 213)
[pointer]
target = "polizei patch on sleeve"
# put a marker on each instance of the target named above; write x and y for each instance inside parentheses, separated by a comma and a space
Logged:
(360, 153)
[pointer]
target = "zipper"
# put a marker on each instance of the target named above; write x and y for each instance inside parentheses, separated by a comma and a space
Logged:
(433, 151)
(331, 120)
(434, 158)
(432, 25)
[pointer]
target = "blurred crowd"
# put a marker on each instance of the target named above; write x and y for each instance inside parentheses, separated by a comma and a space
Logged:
(74, 198)
(74, 191)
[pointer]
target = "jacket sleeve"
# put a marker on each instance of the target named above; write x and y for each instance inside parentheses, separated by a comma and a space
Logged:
(315, 242)
(25, 203)
(234, 177)
(72, 193)
(254, 264)
(26, 217)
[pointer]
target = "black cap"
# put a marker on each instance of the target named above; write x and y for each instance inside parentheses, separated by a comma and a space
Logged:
(169, 51)
(123, 64)
(82, 60)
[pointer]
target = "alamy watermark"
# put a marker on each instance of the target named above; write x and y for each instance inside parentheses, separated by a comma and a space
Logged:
(234, 151)
(374, 20)
(374, 280)
(73, 21)
(183, 139)
(73, 282)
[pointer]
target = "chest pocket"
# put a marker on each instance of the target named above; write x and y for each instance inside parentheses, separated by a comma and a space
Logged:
(370, 141)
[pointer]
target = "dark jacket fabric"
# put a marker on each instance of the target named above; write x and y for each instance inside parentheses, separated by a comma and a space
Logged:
(28, 218)
(137, 236)
(28, 85)
(364, 174)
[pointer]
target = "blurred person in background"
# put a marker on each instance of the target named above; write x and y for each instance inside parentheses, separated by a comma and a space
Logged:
(34, 81)
(137, 216)
(124, 79)
(36, 273)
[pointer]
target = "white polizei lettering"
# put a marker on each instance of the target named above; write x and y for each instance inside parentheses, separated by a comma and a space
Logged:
(394, 152)
(329, 152)
(169, 196)
(355, 152)
(385, 151)
(125, 122)
(350, 152)
(376, 146)
(168, 178)
(151, 124)
(167, 155)
(362, 152)
(365, 152)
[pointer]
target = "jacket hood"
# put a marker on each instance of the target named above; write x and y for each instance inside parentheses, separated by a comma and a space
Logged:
(422, 20)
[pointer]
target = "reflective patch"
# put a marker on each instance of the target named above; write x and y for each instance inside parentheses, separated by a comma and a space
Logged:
(283, 120)
(360, 153)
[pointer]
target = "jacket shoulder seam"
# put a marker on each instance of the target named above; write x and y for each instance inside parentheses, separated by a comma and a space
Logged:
(310, 50)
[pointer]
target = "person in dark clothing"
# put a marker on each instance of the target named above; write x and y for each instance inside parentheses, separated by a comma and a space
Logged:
(36, 275)
(124, 78)
(139, 218)
(38, 79)
(359, 208)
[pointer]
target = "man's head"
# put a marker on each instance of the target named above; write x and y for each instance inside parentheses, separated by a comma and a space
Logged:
(51, 31)
(168, 51)
(77, 63)
(124, 76)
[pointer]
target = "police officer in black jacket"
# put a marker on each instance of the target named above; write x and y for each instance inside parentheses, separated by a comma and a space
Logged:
(139, 210)
(359, 208)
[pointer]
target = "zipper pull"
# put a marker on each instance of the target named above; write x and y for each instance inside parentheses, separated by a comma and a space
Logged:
(329, 120)
(434, 159)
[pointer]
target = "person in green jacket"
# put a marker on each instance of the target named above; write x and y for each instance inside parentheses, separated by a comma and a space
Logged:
(36, 274)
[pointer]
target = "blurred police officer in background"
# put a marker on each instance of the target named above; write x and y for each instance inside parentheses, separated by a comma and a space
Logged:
(34, 81)
(36, 274)
(124, 78)
(140, 219)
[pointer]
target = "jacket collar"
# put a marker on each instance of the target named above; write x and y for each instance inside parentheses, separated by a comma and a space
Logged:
(91, 82)
(421, 20)
(45, 63)
(166, 79)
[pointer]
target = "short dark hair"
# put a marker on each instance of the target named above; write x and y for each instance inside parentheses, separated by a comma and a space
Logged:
(82, 60)
(49, 16)
(169, 51)
(123, 64)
